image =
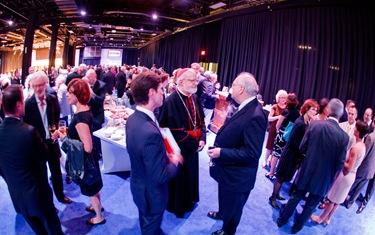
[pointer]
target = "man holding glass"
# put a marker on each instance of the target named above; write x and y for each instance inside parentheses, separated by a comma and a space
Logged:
(42, 111)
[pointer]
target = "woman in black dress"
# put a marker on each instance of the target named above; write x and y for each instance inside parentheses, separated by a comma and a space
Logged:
(80, 129)
(291, 156)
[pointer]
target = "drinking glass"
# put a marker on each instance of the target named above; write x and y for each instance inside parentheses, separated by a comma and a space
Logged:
(52, 129)
(211, 163)
(62, 127)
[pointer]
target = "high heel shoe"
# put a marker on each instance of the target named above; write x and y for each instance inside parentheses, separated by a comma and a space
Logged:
(316, 219)
(278, 197)
(273, 203)
(326, 223)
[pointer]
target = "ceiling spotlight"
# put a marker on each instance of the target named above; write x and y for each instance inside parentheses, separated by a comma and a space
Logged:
(154, 16)
(141, 28)
(113, 30)
(90, 26)
(10, 22)
(83, 13)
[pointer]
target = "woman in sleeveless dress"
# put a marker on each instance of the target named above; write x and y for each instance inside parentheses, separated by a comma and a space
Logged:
(273, 116)
(344, 181)
(80, 128)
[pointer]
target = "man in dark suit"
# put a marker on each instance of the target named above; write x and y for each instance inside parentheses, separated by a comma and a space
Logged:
(238, 146)
(344, 116)
(121, 82)
(75, 74)
(23, 166)
(109, 80)
(152, 167)
(325, 145)
(96, 104)
(42, 110)
(365, 174)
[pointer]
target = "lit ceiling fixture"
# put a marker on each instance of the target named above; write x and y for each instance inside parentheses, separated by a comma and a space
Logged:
(113, 30)
(217, 5)
(90, 26)
(154, 16)
(83, 13)
(10, 22)
(141, 28)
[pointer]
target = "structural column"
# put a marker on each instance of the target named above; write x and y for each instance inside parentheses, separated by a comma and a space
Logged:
(28, 45)
(65, 57)
(52, 48)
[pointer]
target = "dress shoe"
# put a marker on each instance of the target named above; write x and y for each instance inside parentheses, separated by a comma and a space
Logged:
(68, 179)
(215, 215)
(90, 209)
(65, 200)
(219, 232)
(348, 204)
(296, 228)
(281, 223)
(269, 176)
(91, 223)
(273, 203)
(361, 208)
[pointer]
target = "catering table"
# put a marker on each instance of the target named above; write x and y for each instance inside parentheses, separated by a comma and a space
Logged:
(114, 153)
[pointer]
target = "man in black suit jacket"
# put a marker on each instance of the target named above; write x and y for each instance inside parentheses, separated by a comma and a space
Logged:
(238, 146)
(152, 167)
(109, 80)
(23, 166)
(121, 82)
(74, 74)
(96, 104)
(42, 110)
(325, 145)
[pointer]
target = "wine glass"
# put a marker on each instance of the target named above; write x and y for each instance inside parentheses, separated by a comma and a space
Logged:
(211, 163)
(52, 129)
(62, 127)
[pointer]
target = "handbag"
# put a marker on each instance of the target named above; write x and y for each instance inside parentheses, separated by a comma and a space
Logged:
(91, 172)
(288, 130)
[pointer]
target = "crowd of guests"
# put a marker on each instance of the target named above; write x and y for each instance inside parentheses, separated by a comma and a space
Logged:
(320, 146)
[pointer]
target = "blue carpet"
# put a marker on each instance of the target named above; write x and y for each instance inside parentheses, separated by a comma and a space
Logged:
(122, 215)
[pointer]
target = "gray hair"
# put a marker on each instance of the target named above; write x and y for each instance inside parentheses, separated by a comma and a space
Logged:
(39, 74)
(336, 108)
(247, 80)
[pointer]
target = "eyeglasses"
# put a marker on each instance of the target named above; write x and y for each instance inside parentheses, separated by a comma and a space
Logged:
(192, 80)
(38, 85)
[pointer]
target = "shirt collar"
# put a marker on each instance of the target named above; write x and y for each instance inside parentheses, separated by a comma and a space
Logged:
(146, 111)
(245, 102)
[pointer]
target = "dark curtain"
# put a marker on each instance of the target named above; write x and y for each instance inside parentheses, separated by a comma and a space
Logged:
(315, 51)
(130, 56)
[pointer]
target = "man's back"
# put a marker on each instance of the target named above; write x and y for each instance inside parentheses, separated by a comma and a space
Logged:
(23, 163)
(325, 145)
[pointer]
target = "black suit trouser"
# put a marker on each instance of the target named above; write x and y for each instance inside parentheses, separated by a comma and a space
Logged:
(48, 223)
(231, 205)
(356, 188)
(54, 167)
(150, 223)
(369, 191)
(311, 202)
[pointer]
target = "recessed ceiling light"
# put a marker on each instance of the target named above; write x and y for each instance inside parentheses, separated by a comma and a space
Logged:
(113, 30)
(154, 16)
(83, 13)
(217, 5)
(10, 22)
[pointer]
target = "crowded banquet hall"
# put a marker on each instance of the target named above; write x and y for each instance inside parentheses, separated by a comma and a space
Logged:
(187, 117)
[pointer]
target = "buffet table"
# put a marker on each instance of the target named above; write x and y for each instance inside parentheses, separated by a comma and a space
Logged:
(112, 139)
(114, 153)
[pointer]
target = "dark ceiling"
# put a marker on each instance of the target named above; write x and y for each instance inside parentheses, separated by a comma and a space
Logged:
(109, 23)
